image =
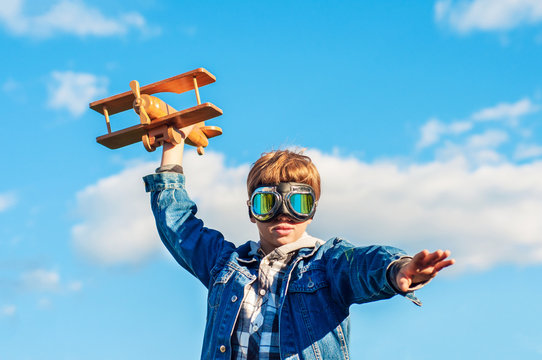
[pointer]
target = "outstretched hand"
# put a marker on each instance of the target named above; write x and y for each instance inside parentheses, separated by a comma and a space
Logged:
(423, 267)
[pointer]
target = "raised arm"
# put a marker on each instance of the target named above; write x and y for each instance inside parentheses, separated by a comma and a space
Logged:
(195, 247)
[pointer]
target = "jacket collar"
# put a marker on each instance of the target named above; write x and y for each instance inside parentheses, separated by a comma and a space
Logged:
(306, 245)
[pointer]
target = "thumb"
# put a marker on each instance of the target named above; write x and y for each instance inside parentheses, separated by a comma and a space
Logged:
(403, 282)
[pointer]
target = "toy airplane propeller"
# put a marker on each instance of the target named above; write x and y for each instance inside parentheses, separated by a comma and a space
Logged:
(160, 122)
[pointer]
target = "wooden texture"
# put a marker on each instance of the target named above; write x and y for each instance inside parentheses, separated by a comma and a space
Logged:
(211, 131)
(196, 90)
(197, 138)
(107, 122)
(176, 84)
(179, 119)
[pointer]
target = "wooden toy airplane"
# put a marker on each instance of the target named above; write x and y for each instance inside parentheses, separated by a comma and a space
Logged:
(160, 122)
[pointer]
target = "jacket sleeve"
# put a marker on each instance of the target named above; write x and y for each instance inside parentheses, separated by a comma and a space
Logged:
(359, 274)
(195, 247)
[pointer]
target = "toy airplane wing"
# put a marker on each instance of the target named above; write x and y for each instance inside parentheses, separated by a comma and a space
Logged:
(176, 84)
(179, 120)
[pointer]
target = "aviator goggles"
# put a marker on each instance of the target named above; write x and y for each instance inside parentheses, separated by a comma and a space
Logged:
(295, 200)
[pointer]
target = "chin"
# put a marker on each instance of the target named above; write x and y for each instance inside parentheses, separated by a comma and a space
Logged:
(286, 239)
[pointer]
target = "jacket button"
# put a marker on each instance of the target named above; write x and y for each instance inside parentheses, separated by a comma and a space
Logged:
(233, 298)
(222, 349)
(310, 284)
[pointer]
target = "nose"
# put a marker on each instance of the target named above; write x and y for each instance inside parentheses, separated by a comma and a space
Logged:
(283, 217)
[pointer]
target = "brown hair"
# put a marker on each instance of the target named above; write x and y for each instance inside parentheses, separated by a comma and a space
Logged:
(283, 166)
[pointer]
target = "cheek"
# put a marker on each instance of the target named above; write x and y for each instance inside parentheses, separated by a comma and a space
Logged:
(303, 226)
(262, 227)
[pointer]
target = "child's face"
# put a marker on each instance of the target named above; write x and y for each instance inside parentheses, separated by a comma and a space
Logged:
(280, 231)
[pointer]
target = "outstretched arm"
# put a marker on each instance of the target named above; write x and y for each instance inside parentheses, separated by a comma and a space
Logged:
(423, 267)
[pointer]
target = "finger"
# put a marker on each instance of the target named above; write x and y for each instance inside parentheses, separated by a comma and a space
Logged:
(433, 257)
(186, 130)
(443, 264)
(436, 257)
(442, 258)
(444, 255)
(404, 284)
(424, 259)
(419, 258)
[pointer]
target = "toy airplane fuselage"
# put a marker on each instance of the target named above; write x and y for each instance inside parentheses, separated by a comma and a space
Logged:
(160, 122)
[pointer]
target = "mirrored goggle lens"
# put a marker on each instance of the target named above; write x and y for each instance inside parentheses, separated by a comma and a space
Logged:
(302, 203)
(262, 203)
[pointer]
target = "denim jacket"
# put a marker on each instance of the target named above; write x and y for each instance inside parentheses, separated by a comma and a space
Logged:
(321, 282)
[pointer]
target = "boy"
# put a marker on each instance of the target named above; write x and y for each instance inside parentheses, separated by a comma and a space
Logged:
(288, 296)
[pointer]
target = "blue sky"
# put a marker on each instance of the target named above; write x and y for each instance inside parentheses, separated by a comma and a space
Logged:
(424, 119)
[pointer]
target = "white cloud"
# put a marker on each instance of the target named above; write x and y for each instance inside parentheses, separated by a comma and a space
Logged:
(41, 280)
(69, 17)
(472, 156)
(74, 91)
(487, 15)
(488, 215)
(430, 133)
(499, 125)
(7, 200)
(434, 129)
(524, 151)
(511, 111)
(117, 224)
(8, 310)
(488, 139)
(459, 127)
(10, 8)
(218, 190)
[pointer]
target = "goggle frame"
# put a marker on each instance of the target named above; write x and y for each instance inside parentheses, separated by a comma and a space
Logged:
(282, 201)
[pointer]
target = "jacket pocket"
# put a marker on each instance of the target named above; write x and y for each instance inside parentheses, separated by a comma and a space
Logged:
(308, 281)
(215, 293)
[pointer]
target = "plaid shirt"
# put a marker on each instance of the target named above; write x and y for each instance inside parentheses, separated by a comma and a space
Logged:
(256, 333)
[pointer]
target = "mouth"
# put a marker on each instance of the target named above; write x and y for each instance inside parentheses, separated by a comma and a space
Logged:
(283, 229)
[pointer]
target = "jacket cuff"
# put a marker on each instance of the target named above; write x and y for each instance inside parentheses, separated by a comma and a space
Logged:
(170, 168)
(163, 181)
(391, 274)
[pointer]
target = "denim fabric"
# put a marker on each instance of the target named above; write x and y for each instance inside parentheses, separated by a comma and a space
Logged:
(320, 285)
